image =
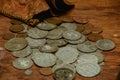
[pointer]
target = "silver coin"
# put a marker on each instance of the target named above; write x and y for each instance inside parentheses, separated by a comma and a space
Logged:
(87, 47)
(88, 69)
(22, 63)
(22, 53)
(36, 33)
(72, 35)
(35, 43)
(46, 26)
(69, 26)
(105, 44)
(81, 40)
(16, 44)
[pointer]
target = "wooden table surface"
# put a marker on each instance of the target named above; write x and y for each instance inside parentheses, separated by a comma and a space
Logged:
(101, 13)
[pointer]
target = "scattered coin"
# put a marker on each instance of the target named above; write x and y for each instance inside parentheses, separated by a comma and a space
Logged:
(94, 37)
(97, 30)
(88, 69)
(46, 71)
(87, 47)
(22, 63)
(8, 36)
(28, 72)
(44, 60)
(16, 28)
(72, 35)
(48, 48)
(36, 33)
(80, 28)
(16, 44)
(67, 54)
(69, 26)
(80, 20)
(22, 53)
(105, 44)
(46, 26)
(67, 19)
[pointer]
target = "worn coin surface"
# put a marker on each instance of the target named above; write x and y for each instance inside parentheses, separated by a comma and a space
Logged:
(22, 53)
(88, 69)
(72, 35)
(22, 63)
(8, 36)
(46, 26)
(94, 37)
(46, 71)
(67, 54)
(69, 26)
(87, 47)
(36, 33)
(15, 44)
(105, 44)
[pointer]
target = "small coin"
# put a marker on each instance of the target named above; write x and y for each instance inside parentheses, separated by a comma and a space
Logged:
(94, 37)
(22, 63)
(80, 20)
(67, 54)
(15, 22)
(22, 53)
(16, 28)
(59, 42)
(44, 59)
(87, 47)
(16, 44)
(54, 20)
(8, 36)
(63, 74)
(67, 19)
(46, 71)
(80, 28)
(35, 43)
(87, 58)
(88, 69)
(36, 33)
(105, 44)
(97, 30)
(81, 40)
(69, 26)
(72, 35)
(28, 72)
(46, 26)
(48, 48)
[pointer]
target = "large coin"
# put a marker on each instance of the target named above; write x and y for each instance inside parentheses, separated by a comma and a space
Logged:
(87, 47)
(36, 33)
(105, 44)
(22, 53)
(72, 35)
(22, 63)
(15, 44)
(88, 69)
(69, 26)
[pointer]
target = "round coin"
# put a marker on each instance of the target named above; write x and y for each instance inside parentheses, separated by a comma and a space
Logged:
(69, 26)
(16, 28)
(105, 44)
(80, 20)
(88, 69)
(22, 63)
(72, 35)
(8, 36)
(15, 44)
(67, 19)
(97, 30)
(45, 71)
(94, 37)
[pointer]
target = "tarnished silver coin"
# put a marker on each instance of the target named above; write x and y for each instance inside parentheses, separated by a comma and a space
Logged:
(67, 54)
(22, 63)
(22, 53)
(35, 43)
(105, 44)
(88, 69)
(55, 33)
(59, 42)
(16, 44)
(63, 74)
(46, 26)
(69, 26)
(72, 35)
(48, 48)
(36, 33)
(87, 47)
(44, 59)
(81, 40)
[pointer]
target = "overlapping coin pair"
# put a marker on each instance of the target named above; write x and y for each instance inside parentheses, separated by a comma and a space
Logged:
(62, 47)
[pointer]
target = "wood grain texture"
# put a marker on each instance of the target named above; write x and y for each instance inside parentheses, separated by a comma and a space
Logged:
(101, 13)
